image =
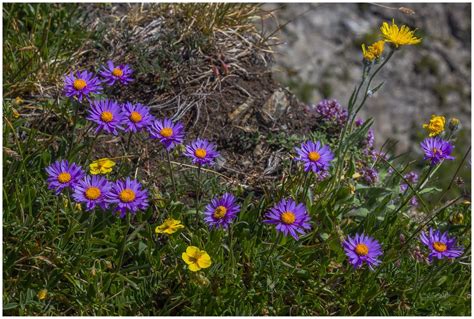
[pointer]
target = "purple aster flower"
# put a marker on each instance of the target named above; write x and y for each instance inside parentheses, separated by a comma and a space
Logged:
(330, 111)
(412, 178)
(289, 217)
(436, 149)
(119, 73)
(315, 156)
(170, 134)
(128, 195)
(61, 175)
(201, 152)
(107, 114)
(370, 175)
(220, 212)
(441, 245)
(81, 84)
(362, 249)
(92, 191)
(136, 117)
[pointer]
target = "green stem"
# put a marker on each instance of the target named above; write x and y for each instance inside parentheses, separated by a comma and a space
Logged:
(277, 240)
(198, 193)
(123, 245)
(171, 172)
(74, 124)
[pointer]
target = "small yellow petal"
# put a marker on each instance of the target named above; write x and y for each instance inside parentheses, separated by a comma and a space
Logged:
(204, 261)
(186, 258)
(192, 251)
(194, 267)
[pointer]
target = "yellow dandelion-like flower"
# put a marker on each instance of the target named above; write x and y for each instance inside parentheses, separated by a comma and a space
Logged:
(101, 166)
(398, 36)
(436, 125)
(196, 259)
(42, 294)
(169, 226)
(373, 51)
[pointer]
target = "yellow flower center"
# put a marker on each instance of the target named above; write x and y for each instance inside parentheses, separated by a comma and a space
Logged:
(436, 151)
(127, 195)
(64, 177)
(314, 156)
(439, 247)
(167, 132)
(220, 212)
(107, 116)
(288, 218)
(200, 153)
(117, 72)
(79, 84)
(135, 117)
(93, 193)
(362, 249)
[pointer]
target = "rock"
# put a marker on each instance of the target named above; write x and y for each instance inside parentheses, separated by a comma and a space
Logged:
(275, 106)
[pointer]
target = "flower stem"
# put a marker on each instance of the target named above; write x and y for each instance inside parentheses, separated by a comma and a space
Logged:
(198, 193)
(171, 172)
(74, 124)
(277, 240)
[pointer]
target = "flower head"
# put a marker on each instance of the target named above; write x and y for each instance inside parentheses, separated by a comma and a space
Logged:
(202, 152)
(220, 212)
(92, 191)
(107, 114)
(315, 156)
(398, 36)
(289, 218)
(370, 139)
(42, 294)
(330, 111)
(436, 125)
(362, 248)
(440, 245)
(101, 166)
(196, 259)
(136, 117)
(61, 175)
(370, 175)
(116, 73)
(374, 51)
(128, 195)
(169, 226)
(436, 150)
(168, 133)
(81, 84)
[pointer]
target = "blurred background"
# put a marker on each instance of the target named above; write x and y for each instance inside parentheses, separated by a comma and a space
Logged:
(319, 56)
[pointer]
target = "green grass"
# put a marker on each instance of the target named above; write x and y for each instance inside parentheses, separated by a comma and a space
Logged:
(94, 263)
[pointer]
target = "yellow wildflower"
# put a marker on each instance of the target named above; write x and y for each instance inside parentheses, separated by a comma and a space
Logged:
(101, 166)
(374, 51)
(436, 125)
(18, 100)
(398, 36)
(196, 259)
(356, 175)
(169, 227)
(42, 294)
